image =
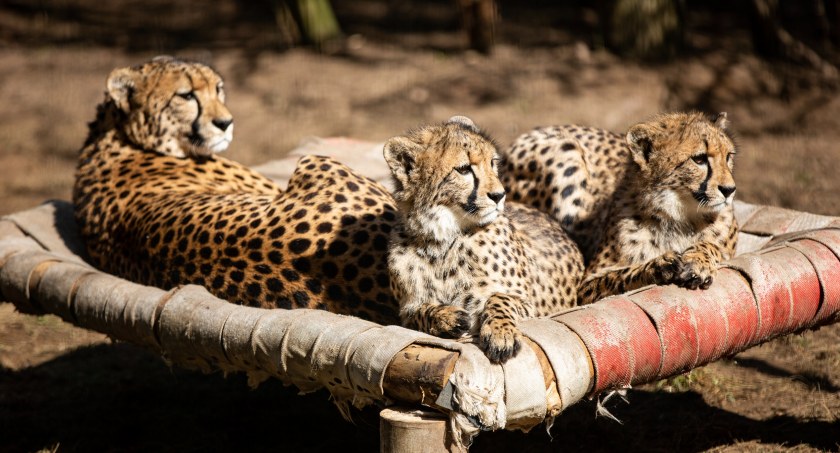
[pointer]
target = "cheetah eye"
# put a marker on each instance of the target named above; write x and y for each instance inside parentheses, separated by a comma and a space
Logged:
(464, 169)
(220, 90)
(188, 95)
(700, 159)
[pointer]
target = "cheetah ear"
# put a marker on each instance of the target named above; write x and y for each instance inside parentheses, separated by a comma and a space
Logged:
(720, 121)
(640, 141)
(400, 153)
(163, 59)
(121, 83)
(463, 121)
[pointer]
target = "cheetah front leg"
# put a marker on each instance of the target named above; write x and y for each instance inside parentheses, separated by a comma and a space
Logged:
(499, 337)
(616, 280)
(695, 268)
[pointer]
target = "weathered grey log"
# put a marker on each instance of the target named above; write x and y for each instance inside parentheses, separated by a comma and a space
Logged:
(357, 361)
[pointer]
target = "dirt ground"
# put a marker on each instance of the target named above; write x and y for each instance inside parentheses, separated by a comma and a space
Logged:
(67, 389)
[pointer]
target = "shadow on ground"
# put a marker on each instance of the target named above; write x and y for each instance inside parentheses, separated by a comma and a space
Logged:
(120, 397)
(662, 422)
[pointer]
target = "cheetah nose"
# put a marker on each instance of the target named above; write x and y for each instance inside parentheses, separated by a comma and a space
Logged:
(222, 124)
(726, 190)
(496, 196)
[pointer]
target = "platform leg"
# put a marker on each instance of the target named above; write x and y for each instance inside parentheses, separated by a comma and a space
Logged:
(413, 430)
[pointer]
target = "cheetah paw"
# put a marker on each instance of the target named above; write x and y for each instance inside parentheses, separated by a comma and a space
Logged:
(666, 268)
(500, 340)
(696, 272)
(450, 322)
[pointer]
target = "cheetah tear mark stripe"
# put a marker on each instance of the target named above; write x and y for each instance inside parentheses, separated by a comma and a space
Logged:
(470, 205)
(195, 134)
(700, 194)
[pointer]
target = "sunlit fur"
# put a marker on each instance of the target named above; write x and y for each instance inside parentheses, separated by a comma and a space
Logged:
(458, 200)
(147, 214)
(685, 162)
(652, 207)
(460, 262)
(171, 107)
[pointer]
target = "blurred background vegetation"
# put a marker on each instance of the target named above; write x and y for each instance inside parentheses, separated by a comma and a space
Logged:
(805, 31)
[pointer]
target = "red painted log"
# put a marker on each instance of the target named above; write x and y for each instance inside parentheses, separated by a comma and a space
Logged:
(661, 331)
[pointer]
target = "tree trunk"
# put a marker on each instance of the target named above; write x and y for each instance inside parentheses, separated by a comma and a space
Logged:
(647, 29)
(832, 10)
(771, 40)
(767, 33)
(286, 24)
(478, 17)
(318, 21)
(311, 21)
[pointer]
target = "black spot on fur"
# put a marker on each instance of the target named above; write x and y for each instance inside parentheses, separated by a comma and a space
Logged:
(254, 290)
(290, 275)
(277, 232)
(274, 285)
(313, 285)
(275, 257)
(299, 245)
(361, 237)
(301, 265)
(324, 228)
(329, 269)
(301, 298)
(380, 242)
(350, 272)
(338, 248)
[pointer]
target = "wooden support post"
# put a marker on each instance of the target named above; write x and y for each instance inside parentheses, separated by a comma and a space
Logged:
(407, 430)
(418, 374)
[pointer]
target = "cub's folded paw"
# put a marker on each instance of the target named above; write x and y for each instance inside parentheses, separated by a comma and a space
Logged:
(500, 340)
(450, 322)
(697, 271)
(666, 268)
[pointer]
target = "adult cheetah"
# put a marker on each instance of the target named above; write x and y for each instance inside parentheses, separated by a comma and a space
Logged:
(155, 204)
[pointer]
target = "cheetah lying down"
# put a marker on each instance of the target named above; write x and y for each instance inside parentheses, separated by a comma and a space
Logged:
(654, 207)
(461, 260)
(155, 204)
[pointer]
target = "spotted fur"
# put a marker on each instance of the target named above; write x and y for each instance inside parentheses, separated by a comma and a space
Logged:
(161, 208)
(654, 207)
(461, 261)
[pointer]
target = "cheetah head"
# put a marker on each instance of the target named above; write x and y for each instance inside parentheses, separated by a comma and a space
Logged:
(446, 178)
(173, 107)
(686, 163)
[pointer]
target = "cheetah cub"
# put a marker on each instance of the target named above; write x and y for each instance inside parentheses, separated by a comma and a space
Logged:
(654, 207)
(461, 264)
